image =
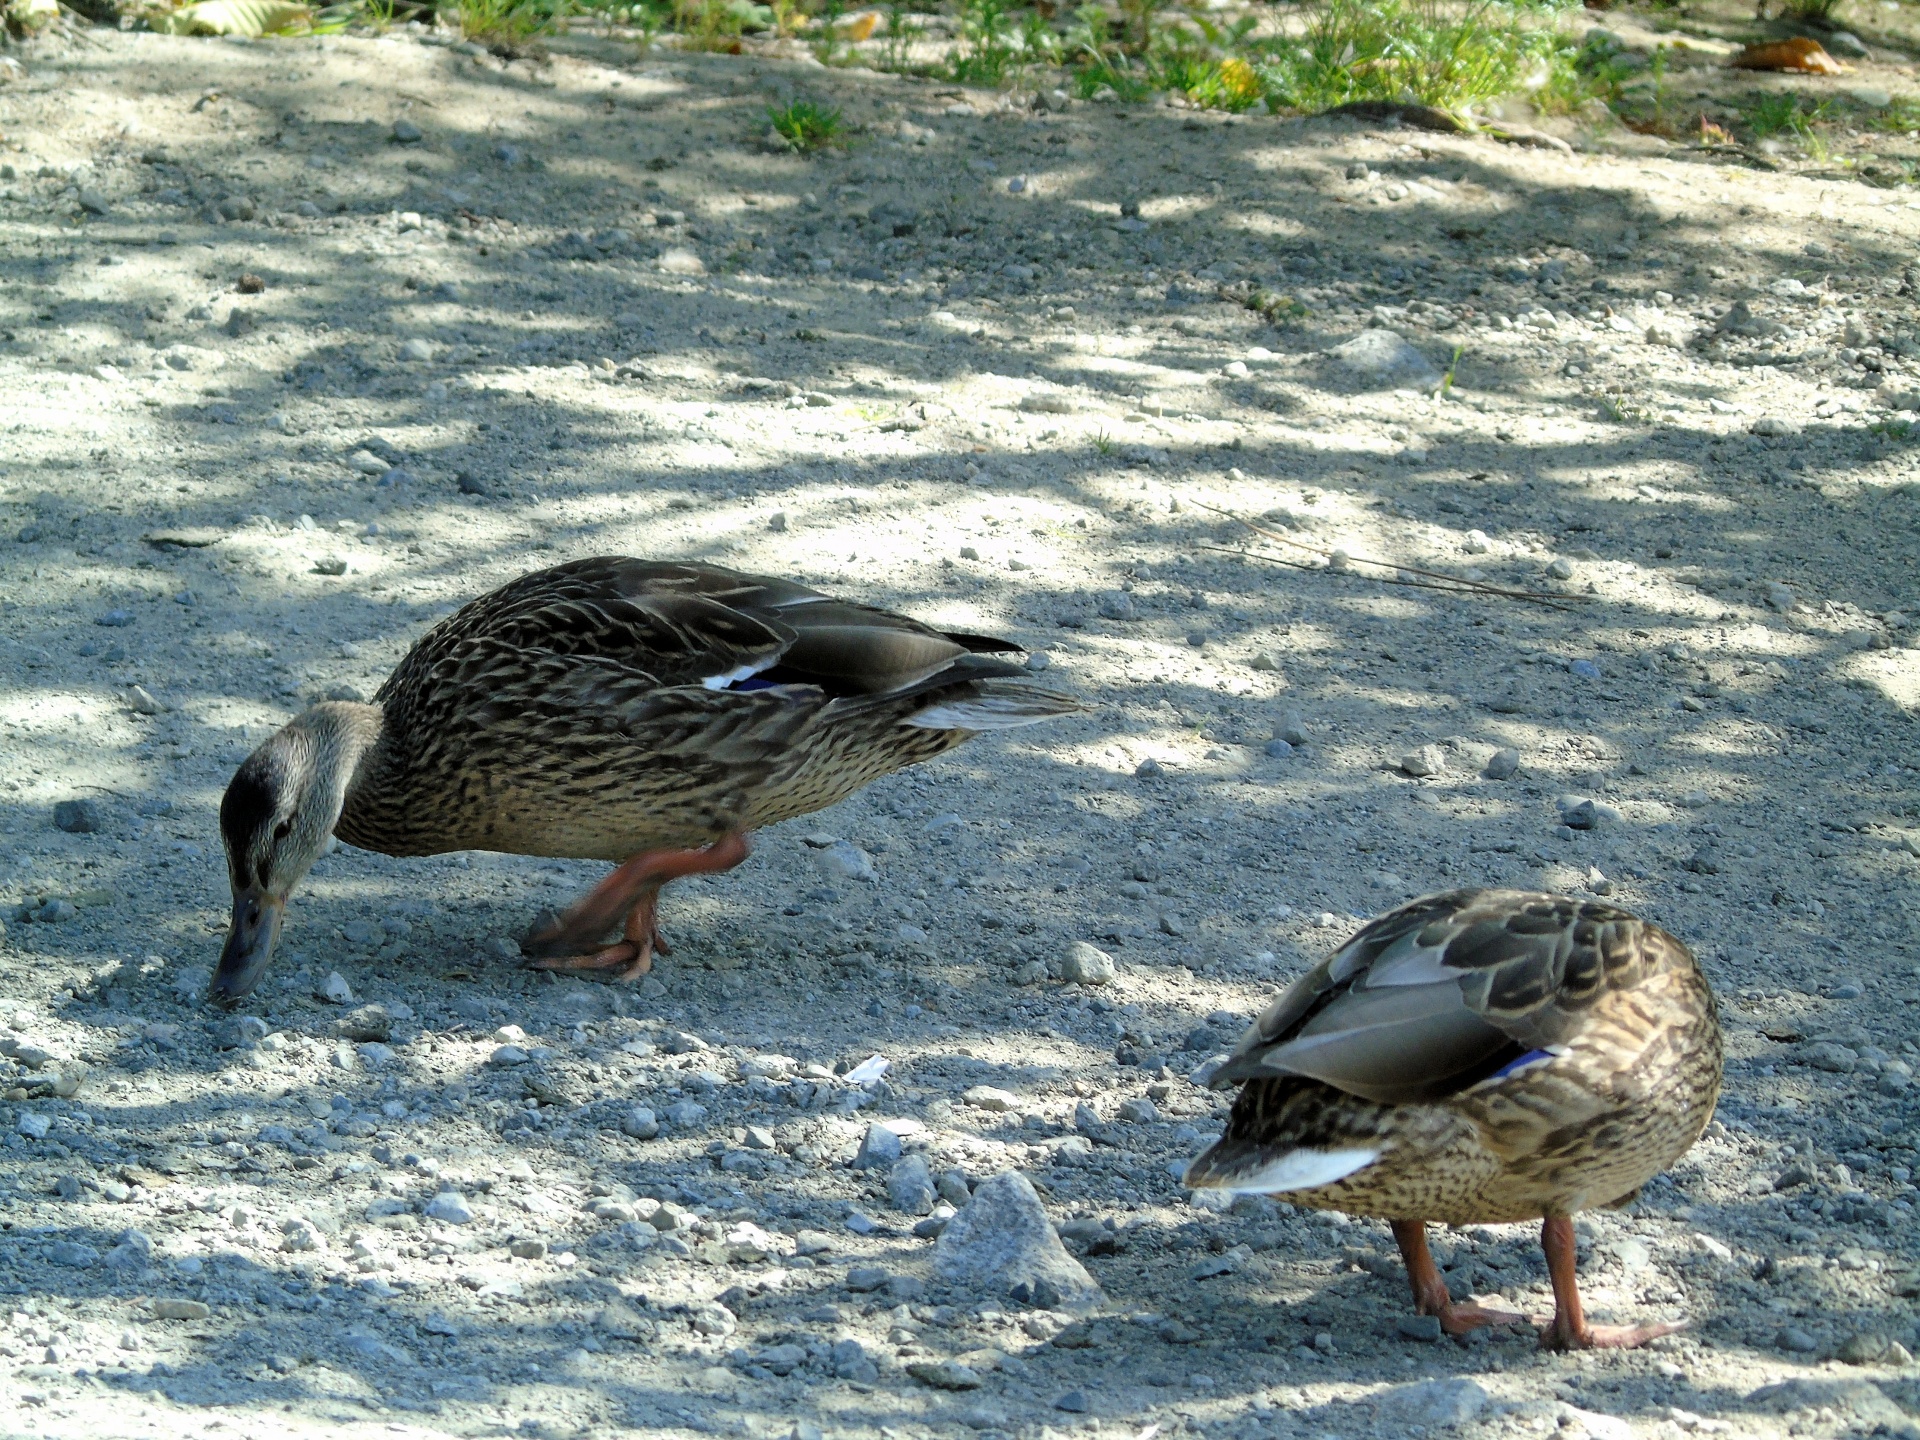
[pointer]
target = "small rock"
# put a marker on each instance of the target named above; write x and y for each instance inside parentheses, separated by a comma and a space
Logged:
(944, 1374)
(1138, 1111)
(845, 861)
(1385, 359)
(879, 1148)
(685, 1114)
(1118, 605)
(1086, 964)
(640, 1123)
(417, 349)
(678, 260)
(407, 133)
(1845, 42)
(1418, 1327)
(33, 1125)
(449, 1207)
(142, 702)
(367, 1022)
(1149, 769)
(180, 1310)
(1503, 764)
(1872, 1347)
(73, 1254)
(1578, 812)
(910, 1186)
(525, 1249)
(1561, 569)
(1431, 1403)
(1795, 1341)
(987, 1097)
(1003, 1238)
(1427, 760)
(77, 817)
(623, 1322)
(1830, 1056)
(94, 203)
(336, 989)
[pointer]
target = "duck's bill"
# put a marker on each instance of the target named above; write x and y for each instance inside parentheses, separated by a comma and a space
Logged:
(256, 925)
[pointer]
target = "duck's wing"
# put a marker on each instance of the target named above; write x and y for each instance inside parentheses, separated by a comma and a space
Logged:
(1448, 991)
(688, 624)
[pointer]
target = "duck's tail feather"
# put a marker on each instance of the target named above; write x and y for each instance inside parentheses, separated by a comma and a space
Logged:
(994, 705)
(1245, 1168)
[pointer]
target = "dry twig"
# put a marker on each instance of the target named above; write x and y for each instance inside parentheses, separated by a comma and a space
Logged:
(1432, 579)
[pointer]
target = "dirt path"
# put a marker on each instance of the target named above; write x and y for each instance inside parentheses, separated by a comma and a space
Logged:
(991, 367)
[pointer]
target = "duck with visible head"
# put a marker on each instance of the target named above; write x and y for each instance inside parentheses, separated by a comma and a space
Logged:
(647, 713)
(276, 820)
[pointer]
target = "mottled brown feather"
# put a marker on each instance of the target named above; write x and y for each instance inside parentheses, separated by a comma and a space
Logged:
(1629, 1080)
(567, 713)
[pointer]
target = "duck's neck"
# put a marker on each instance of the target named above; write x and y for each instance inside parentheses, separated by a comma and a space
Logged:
(346, 738)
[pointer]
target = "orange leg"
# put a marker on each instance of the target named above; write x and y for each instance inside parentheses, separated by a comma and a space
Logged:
(1430, 1295)
(632, 891)
(1569, 1330)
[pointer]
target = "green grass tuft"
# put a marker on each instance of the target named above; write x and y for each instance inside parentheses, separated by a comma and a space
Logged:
(806, 125)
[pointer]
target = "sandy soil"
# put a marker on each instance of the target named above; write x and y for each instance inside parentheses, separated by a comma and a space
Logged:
(589, 310)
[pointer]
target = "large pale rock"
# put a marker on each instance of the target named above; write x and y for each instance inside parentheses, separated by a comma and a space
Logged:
(1003, 1239)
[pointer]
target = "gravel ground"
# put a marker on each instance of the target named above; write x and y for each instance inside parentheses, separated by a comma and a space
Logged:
(280, 387)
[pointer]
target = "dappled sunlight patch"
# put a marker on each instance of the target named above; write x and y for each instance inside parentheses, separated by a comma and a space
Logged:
(1892, 674)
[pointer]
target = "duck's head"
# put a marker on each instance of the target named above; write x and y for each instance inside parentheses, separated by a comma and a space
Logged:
(275, 821)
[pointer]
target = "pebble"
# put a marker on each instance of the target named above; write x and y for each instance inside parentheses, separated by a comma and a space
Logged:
(1427, 760)
(77, 817)
(987, 1097)
(1384, 358)
(685, 1114)
(1872, 1347)
(1086, 964)
(1418, 1327)
(1149, 769)
(621, 1321)
(1074, 1402)
(449, 1207)
(1003, 1238)
(335, 988)
(879, 1148)
(1503, 764)
(33, 1124)
(170, 1309)
(640, 1123)
(845, 861)
(1795, 1341)
(944, 1374)
(417, 349)
(1431, 1403)
(1561, 569)
(406, 132)
(367, 1022)
(910, 1186)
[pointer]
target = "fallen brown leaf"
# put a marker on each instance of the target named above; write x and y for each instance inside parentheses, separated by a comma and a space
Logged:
(1809, 57)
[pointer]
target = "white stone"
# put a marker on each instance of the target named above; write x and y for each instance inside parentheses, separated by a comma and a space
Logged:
(1086, 964)
(449, 1207)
